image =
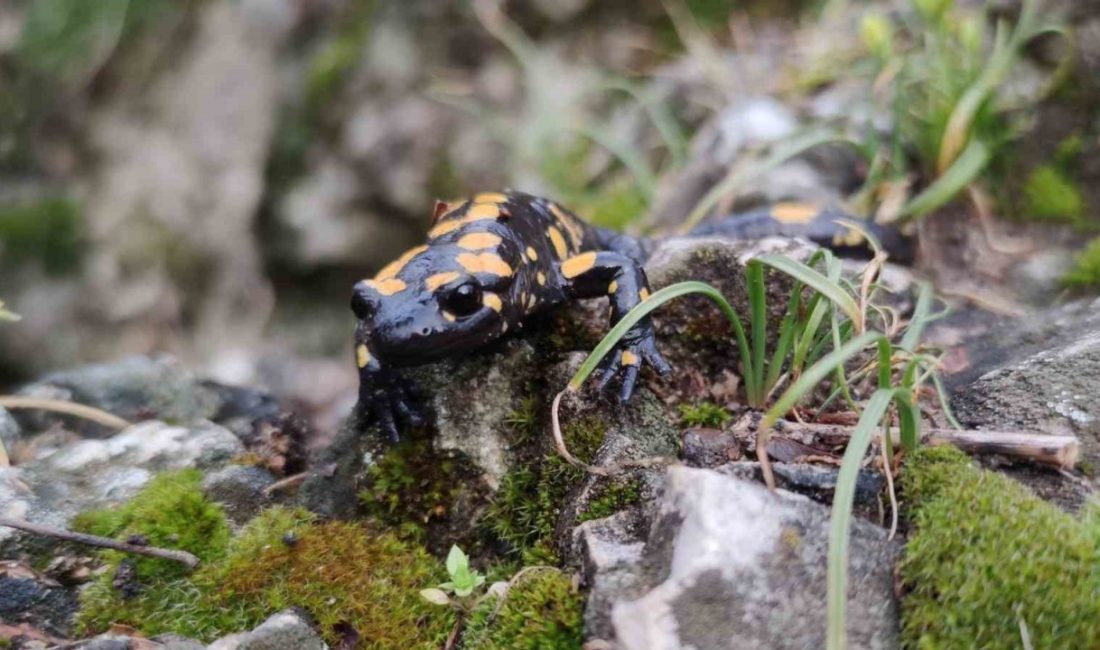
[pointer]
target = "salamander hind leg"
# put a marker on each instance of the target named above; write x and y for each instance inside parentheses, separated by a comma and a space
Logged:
(593, 274)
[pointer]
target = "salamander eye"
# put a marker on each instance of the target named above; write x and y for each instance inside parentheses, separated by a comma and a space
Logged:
(463, 300)
(361, 302)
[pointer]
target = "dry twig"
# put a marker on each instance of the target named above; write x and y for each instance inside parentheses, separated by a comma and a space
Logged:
(183, 557)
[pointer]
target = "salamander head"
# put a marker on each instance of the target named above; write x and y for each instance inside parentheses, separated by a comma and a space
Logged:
(432, 303)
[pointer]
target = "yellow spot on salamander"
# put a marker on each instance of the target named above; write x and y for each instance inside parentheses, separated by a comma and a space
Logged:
(851, 237)
(394, 267)
(387, 287)
(476, 212)
(531, 301)
(532, 254)
(794, 212)
(644, 293)
(541, 277)
(613, 287)
(439, 279)
(362, 355)
(629, 358)
(448, 316)
(492, 301)
(484, 263)
(578, 264)
(558, 241)
(491, 197)
(570, 224)
(478, 240)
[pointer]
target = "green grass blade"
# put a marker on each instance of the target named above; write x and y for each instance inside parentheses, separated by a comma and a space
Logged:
(758, 314)
(837, 581)
(812, 278)
(819, 308)
(814, 374)
(909, 419)
(962, 172)
(885, 355)
(608, 342)
(922, 315)
(945, 401)
(787, 330)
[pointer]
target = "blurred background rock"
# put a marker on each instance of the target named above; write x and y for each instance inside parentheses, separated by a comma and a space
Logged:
(209, 177)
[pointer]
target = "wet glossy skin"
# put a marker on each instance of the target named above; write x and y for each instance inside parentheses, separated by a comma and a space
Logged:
(491, 262)
(495, 259)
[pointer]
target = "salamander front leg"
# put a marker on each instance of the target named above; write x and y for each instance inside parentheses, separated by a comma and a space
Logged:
(593, 274)
(385, 396)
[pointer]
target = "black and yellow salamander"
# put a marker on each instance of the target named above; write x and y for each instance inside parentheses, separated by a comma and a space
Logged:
(496, 259)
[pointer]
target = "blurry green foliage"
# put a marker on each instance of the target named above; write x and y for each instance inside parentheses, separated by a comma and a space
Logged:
(1085, 273)
(1050, 195)
(49, 231)
(703, 414)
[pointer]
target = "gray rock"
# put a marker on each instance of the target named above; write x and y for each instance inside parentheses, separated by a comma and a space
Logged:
(133, 389)
(91, 474)
(239, 489)
(176, 642)
(288, 630)
(611, 554)
(709, 448)
(107, 642)
(1042, 375)
(27, 596)
(728, 564)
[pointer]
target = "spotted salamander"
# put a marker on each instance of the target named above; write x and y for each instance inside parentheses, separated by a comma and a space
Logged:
(496, 259)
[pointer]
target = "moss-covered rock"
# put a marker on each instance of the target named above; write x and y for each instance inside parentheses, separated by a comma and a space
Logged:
(541, 611)
(987, 558)
(170, 511)
(343, 574)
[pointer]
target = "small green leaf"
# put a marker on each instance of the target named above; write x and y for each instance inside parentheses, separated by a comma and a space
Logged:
(435, 596)
(447, 586)
(456, 559)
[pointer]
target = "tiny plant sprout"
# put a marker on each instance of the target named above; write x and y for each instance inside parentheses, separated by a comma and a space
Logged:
(7, 315)
(463, 583)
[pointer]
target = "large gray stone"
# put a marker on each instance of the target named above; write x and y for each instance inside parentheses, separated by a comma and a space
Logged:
(91, 474)
(288, 630)
(1041, 375)
(729, 565)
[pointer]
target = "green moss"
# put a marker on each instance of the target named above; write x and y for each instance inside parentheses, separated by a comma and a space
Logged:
(703, 414)
(524, 420)
(542, 611)
(345, 573)
(1050, 195)
(170, 511)
(342, 573)
(1086, 268)
(411, 485)
(986, 555)
(47, 231)
(616, 495)
(526, 509)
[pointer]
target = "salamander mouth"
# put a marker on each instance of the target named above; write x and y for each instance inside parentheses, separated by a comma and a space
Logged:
(413, 344)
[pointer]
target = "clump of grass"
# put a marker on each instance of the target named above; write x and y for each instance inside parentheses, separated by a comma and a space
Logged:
(1085, 273)
(840, 334)
(988, 560)
(946, 71)
(703, 414)
(540, 611)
